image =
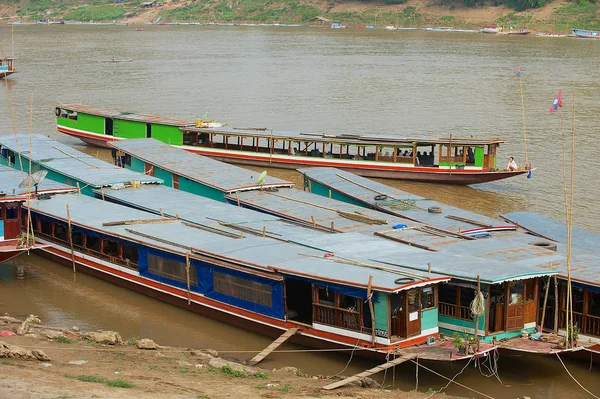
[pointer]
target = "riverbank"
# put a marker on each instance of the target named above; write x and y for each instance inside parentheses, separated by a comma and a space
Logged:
(76, 364)
(559, 16)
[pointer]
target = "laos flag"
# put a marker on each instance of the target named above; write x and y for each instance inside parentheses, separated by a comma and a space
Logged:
(518, 71)
(557, 102)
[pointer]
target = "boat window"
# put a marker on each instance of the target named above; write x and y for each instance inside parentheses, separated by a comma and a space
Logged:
(386, 154)
(130, 254)
(244, 289)
(338, 309)
(530, 290)
(92, 243)
(190, 138)
(425, 156)
(60, 231)
(326, 297)
(466, 296)
(594, 307)
(365, 153)
(516, 292)
(12, 212)
(110, 247)
(578, 299)
(427, 298)
(454, 301)
(72, 115)
(170, 269)
(45, 226)
(77, 238)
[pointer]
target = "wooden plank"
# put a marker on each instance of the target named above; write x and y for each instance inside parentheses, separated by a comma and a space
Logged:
(138, 221)
(370, 372)
(471, 221)
(274, 345)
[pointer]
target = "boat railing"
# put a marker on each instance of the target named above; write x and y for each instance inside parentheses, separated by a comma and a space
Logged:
(456, 311)
(79, 248)
(345, 318)
(587, 324)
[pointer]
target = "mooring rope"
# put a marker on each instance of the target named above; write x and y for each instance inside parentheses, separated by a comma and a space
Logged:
(571, 375)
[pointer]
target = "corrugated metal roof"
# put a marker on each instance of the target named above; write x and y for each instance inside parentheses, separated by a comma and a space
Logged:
(343, 138)
(398, 202)
(10, 179)
(257, 252)
(130, 116)
(303, 206)
(222, 176)
(555, 230)
(195, 209)
(52, 155)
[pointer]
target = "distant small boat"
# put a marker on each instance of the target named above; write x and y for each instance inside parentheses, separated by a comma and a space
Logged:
(520, 32)
(7, 66)
(390, 27)
(401, 28)
(587, 34)
(551, 35)
(118, 60)
(337, 25)
(371, 27)
(491, 29)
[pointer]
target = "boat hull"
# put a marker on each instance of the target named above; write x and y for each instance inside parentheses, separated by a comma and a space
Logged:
(10, 249)
(200, 304)
(367, 169)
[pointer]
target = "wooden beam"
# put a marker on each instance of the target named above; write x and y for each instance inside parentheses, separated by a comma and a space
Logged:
(70, 238)
(471, 221)
(370, 372)
(274, 345)
(370, 298)
(138, 221)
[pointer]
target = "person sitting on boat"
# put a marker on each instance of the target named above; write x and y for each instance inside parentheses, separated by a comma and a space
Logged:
(512, 165)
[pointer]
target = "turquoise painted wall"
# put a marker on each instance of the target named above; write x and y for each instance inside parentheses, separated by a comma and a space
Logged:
(429, 319)
(489, 338)
(319, 189)
(165, 175)
(193, 187)
(136, 165)
(380, 306)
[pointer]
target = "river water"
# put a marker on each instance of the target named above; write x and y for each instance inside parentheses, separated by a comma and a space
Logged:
(315, 80)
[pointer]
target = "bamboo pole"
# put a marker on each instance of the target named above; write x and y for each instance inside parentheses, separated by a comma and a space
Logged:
(570, 225)
(556, 304)
(476, 315)
(187, 272)
(370, 298)
(545, 302)
(71, 238)
(524, 128)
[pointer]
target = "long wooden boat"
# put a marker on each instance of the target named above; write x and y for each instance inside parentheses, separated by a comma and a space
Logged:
(446, 160)
(7, 66)
(586, 34)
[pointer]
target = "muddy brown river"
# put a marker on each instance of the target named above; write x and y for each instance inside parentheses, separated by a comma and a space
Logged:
(315, 80)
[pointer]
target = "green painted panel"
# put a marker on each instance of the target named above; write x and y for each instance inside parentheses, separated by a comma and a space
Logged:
(129, 129)
(479, 156)
(193, 187)
(165, 175)
(167, 134)
(380, 306)
(137, 165)
(429, 319)
(319, 189)
(86, 122)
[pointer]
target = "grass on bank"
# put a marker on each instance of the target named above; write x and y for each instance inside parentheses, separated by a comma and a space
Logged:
(118, 383)
(231, 372)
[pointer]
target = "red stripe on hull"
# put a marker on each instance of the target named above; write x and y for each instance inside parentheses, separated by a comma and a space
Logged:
(383, 171)
(217, 310)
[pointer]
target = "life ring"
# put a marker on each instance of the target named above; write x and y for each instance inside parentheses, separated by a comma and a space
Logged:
(404, 280)
(57, 112)
(434, 209)
(380, 197)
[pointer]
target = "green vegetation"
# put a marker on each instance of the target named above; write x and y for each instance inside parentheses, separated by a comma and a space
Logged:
(133, 341)
(118, 383)
(96, 13)
(65, 340)
(231, 372)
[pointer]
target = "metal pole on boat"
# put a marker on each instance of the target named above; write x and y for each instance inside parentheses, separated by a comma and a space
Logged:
(187, 272)
(370, 299)
(71, 238)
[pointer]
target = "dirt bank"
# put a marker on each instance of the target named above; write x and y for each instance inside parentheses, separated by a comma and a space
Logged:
(86, 365)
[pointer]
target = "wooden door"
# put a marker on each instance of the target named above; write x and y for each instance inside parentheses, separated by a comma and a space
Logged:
(515, 309)
(148, 169)
(398, 319)
(413, 323)
(176, 182)
(12, 220)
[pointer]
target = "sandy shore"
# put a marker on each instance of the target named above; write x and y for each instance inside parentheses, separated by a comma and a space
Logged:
(81, 366)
